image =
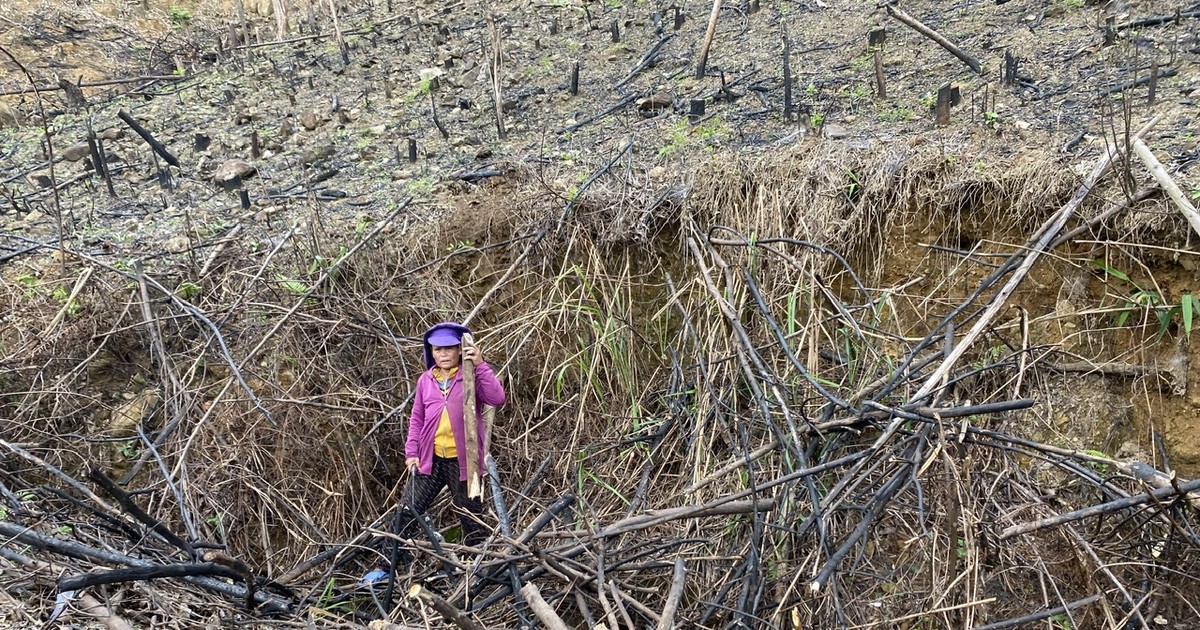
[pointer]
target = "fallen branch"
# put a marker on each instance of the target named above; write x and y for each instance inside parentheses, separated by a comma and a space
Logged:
(72, 549)
(67, 305)
(137, 574)
(612, 108)
(444, 608)
(87, 603)
(916, 25)
(53, 470)
(1139, 195)
(736, 463)
(544, 612)
(51, 88)
(646, 60)
(505, 524)
(149, 138)
(134, 510)
(1140, 81)
(1164, 179)
(212, 258)
(1097, 510)
(1040, 615)
(1157, 20)
(716, 507)
(678, 581)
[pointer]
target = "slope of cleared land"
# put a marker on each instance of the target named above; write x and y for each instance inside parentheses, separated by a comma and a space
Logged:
(729, 339)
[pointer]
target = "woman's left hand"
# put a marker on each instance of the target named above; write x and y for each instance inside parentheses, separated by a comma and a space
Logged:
(472, 353)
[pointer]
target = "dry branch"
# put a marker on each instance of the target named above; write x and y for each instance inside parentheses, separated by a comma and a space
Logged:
(55, 471)
(134, 510)
(1138, 82)
(678, 582)
(444, 608)
(157, 146)
(137, 574)
(544, 612)
(121, 81)
(87, 603)
(1157, 20)
(709, 32)
(70, 301)
(1040, 615)
(1167, 183)
(716, 507)
(916, 25)
(1103, 508)
(71, 549)
(647, 59)
(619, 105)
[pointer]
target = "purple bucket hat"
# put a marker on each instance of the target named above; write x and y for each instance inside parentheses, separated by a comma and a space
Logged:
(443, 334)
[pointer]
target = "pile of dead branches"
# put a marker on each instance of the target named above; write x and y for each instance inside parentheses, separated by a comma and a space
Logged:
(708, 425)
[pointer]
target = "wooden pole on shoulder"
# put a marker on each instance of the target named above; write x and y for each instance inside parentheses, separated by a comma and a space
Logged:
(470, 424)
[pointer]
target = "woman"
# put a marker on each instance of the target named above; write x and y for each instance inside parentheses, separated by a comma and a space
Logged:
(436, 451)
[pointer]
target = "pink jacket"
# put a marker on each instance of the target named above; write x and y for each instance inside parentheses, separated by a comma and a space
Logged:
(428, 403)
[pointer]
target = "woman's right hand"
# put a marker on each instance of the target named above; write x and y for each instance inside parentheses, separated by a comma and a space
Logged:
(411, 464)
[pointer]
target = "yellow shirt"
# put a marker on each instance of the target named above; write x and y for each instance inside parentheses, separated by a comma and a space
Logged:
(443, 440)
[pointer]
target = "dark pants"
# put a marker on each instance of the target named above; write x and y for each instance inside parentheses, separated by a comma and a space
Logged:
(422, 490)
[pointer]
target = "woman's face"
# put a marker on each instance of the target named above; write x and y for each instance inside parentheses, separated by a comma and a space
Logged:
(446, 357)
